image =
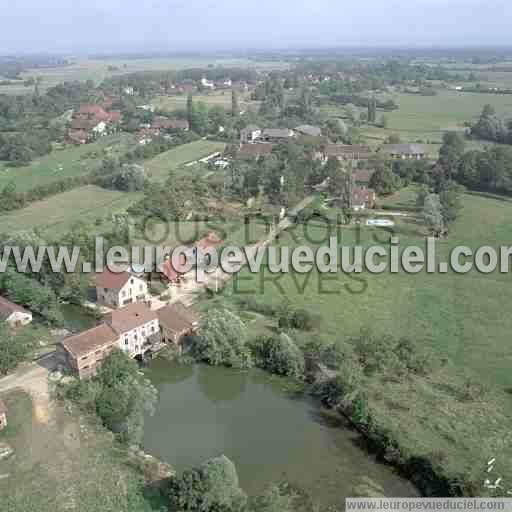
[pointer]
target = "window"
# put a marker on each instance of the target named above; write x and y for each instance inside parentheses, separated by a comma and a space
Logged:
(152, 328)
(123, 293)
(126, 341)
(132, 281)
(85, 368)
(84, 358)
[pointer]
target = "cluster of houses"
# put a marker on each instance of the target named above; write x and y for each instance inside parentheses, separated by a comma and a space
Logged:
(91, 121)
(160, 126)
(131, 325)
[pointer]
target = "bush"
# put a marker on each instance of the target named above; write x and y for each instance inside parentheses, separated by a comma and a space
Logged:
(279, 355)
(297, 319)
(222, 340)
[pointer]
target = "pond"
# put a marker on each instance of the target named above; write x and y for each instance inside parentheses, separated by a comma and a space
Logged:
(267, 430)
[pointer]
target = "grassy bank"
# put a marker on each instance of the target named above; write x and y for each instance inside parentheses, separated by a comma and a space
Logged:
(455, 417)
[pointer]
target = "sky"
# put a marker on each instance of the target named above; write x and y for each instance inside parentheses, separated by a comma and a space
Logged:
(74, 26)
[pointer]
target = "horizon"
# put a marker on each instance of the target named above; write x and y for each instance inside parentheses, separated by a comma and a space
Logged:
(199, 25)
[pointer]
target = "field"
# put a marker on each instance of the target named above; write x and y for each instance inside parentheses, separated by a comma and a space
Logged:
(57, 213)
(64, 163)
(159, 167)
(462, 317)
(462, 320)
(98, 69)
(218, 98)
(426, 118)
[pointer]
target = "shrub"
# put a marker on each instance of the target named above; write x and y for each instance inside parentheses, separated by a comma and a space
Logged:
(278, 354)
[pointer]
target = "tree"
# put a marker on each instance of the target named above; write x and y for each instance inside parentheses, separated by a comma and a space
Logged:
(212, 487)
(15, 347)
(278, 354)
(451, 152)
(450, 202)
(384, 180)
(190, 109)
(432, 214)
(235, 109)
(222, 340)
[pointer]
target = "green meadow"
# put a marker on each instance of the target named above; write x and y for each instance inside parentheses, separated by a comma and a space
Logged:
(64, 163)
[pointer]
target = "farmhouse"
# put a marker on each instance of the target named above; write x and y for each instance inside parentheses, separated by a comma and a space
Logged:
(133, 329)
(3, 415)
(405, 151)
(119, 289)
(163, 123)
(137, 327)
(14, 315)
(254, 151)
(278, 134)
(250, 133)
(176, 321)
(83, 353)
(308, 130)
(363, 198)
(93, 120)
(346, 152)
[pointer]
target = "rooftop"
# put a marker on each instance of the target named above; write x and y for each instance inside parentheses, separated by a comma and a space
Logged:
(111, 280)
(7, 308)
(177, 318)
(90, 340)
(283, 133)
(130, 317)
(255, 150)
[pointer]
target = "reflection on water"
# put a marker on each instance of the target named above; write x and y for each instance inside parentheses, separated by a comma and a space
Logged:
(261, 423)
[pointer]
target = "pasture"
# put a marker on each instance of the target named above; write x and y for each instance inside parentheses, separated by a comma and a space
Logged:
(214, 99)
(63, 163)
(158, 168)
(100, 69)
(56, 214)
(426, 118)
(463, 318)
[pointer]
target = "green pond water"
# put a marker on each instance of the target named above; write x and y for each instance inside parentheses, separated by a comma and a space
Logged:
(270, 432)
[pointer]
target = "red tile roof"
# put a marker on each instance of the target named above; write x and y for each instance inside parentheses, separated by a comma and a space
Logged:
(177, 318)
(111, 280)
(130, 317)
(90, 340)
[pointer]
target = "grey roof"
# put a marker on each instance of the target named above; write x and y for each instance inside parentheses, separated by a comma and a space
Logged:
(307, 129)
(405, 149)
(278, 132)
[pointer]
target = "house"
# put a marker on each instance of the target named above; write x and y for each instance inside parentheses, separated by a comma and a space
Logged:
(250, 133)
(134, 329)
(361, 177)
(278, 134)
(163, 123)
(14, 315)
(119, 289)
(308, 130)
(83, 353)
(363, 198)
(254, 151)
(77, 137)
(167, 271)
(207, 84)
(345, 152)
(3, 415)
(405, 151)
(137, 327)
(176, 321)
